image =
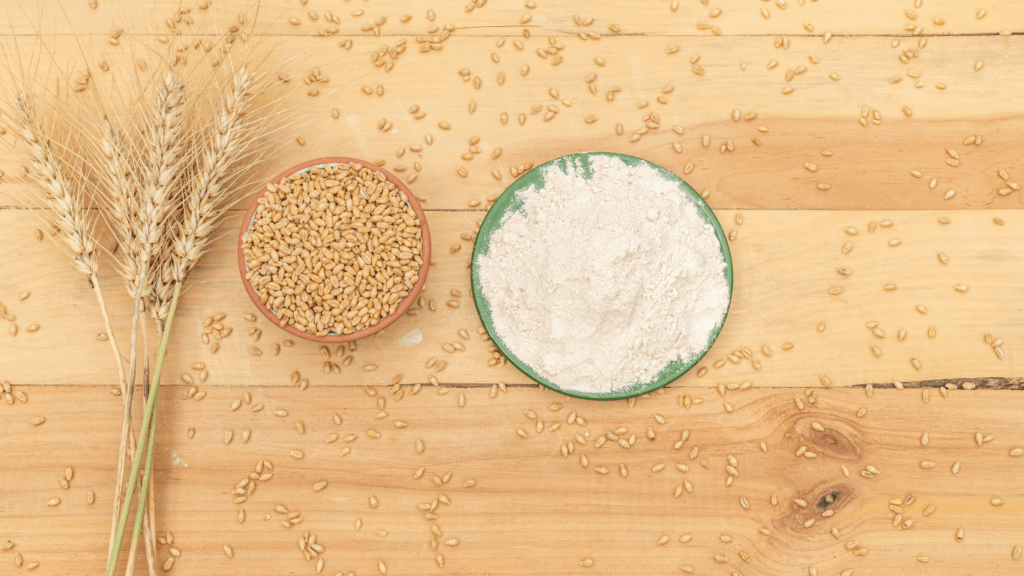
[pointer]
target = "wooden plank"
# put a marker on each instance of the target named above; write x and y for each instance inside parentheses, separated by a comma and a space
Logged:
(821, 114)
(737, 17)
(785, 262)
(531, 511)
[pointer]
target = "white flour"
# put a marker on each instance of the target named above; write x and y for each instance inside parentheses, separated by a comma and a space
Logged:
(599, 284)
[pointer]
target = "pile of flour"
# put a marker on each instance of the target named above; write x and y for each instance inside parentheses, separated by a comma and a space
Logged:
(598, 284)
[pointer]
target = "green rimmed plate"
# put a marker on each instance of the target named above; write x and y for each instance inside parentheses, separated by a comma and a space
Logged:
(510, 202)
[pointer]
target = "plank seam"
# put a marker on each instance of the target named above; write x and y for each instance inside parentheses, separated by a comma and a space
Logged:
(980, 383)
(555, 32)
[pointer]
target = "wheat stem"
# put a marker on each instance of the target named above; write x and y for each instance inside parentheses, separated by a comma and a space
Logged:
(147, 524)
(145, 437)
(151, 512)
(127, 438)
(142, 512)
(110, 331)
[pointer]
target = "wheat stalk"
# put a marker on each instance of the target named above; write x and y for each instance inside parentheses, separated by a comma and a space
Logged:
(69, 217)
(167, 199)
(122, 199)
(169, 171)
(148, 218)
(59, 169)
(144, 223)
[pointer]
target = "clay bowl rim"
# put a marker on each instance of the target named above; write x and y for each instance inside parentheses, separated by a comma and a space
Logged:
(387, 320)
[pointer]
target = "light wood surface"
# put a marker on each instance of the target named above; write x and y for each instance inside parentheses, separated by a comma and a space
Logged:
(738, 17)
(533, 511)
(821, 114)
(785, 263)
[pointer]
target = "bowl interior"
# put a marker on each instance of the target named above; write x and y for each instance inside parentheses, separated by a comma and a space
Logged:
(510, 202)
(250, 215)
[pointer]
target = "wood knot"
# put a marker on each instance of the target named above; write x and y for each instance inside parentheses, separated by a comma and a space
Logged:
(828, 499)
(823, 437)
(809, 513)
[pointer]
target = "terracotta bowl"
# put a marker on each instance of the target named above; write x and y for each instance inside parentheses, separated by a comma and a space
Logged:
(387, 320)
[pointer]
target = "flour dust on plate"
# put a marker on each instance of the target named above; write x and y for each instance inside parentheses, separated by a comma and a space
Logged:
(602, 275)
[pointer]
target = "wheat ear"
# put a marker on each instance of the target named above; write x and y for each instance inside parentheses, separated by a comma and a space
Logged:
(165, 158)
(164, 167)
(211, 192)
(122, 199)
(68, 214)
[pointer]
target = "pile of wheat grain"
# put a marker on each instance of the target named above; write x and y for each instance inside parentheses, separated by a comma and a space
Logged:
(333, 249)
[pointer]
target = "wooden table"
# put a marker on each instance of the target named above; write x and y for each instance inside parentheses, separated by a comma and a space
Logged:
(534, 510)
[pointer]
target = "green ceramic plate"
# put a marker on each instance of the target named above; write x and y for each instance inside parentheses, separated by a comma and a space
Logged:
(510, 202)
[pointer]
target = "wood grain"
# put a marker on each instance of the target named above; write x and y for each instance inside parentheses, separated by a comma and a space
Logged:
(785, 262)
(532, 511)
(737, 18)
(821, 114)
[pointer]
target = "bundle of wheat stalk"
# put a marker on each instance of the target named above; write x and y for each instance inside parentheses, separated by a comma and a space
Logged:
(161, 171)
